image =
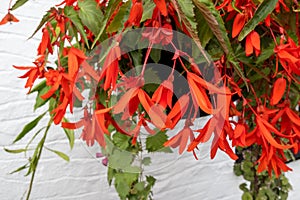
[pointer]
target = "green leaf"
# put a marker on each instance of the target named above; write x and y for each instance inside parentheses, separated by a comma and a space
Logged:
(155, 54)
(110, 175)
(204, 32)
(146, 161)
(266, 53)
(45, 18)
(187, 7)
(140, 186)
(20, 168)
(15, 150)
(73, 16)
(38, 87)
(40, 101)
(60, 154)
(156, 142)
(215, 22)
(121, 140)
(118, 21)
(70, 134)
(18, 4)
(247, 196)
(263, 10)
(243, 187)
(90, 15)
(151, 180)
(109, 11)
(148, 10)
(28, 127)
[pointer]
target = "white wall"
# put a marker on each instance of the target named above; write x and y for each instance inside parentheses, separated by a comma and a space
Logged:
(178, 177)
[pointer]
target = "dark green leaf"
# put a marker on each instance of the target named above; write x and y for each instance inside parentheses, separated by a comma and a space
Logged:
(28, 127)
(156, 142)
(151, 180)
(243, 187)
(90, 15)
(266, 53)
(70, 134)
(118, 21)
(155, 54)
(204, 32)
(15, 150)
(73, 16)
(264, 9)
(18, 4)
(60, 154)
(215, 22)
(45, 18)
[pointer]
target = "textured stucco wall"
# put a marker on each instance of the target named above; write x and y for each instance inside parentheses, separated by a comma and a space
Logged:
(178, 177)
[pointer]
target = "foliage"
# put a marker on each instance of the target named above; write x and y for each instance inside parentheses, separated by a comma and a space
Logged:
(242, 68)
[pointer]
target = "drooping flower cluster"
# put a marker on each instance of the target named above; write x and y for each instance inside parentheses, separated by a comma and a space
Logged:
(248, 98)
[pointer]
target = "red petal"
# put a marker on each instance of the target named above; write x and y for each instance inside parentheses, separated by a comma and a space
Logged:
(161, 4)
(238, 24)
(278, 90)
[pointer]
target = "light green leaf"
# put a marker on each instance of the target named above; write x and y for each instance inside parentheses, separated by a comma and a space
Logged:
(247, 196)
(20, 169)
(18, 4)
(15, 150)
(73, 16)
(148, 10)
(90, 15)
(28, 127)
(121, 140)
(60, 154)
(263, 10)
(70, 134)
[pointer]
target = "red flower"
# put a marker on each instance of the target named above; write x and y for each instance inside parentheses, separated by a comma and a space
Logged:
(181, 138)
(198, 90)
(164, 93)
(135, 15)
(33, 72)
(8, 18)
(45, 43)
(110, 68)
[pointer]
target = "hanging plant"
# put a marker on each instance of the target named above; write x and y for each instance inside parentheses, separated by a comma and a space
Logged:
(135, 69)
